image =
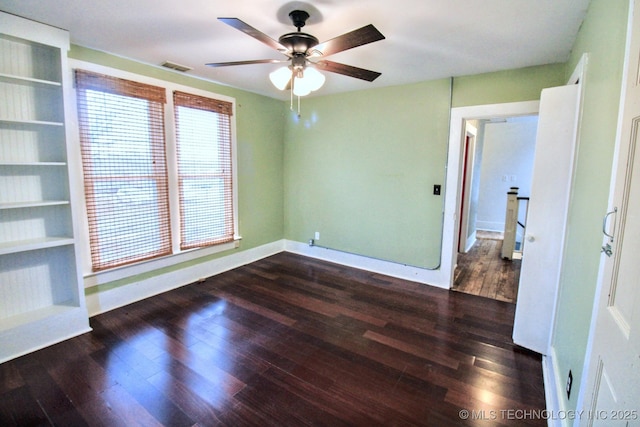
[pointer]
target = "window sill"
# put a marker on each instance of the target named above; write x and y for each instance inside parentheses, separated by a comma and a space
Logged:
(118, 273)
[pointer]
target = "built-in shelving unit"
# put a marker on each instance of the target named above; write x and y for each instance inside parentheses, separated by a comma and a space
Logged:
(41, 296)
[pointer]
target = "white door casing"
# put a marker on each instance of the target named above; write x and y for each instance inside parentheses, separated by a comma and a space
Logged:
(459, 116)
(467, 224)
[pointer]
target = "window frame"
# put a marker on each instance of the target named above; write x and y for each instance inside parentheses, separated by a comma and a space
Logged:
(94, 278)
(222, 111)
(125, 98)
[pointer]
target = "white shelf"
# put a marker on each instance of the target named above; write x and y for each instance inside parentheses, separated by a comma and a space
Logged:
(34, 244)
(36, 315)
(33, 204)
(4, 76)
(41, 294)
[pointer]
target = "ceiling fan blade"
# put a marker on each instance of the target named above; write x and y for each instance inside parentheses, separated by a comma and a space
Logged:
(355, 38)
(348, 70)
(256, 34)
(254, 61)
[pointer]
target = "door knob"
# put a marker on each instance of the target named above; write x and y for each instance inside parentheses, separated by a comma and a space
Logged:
(530, 238)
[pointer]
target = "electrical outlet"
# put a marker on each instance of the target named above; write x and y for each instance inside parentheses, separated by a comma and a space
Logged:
(317, 236)
(569, 384)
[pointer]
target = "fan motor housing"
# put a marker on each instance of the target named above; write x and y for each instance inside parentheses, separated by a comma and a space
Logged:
(298, 42)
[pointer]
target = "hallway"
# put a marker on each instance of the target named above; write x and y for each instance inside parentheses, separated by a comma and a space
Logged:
(483, 272)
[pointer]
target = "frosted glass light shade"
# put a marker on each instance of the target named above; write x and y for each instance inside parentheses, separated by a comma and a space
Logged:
(314, 78)
(280, 77)
(301, 87)
(311, 80)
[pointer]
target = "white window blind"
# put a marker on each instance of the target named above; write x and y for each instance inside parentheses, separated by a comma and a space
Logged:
(125, 174)
(205, 178)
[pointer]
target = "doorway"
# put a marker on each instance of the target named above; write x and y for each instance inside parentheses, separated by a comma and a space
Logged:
(452, 204)
(497, 155)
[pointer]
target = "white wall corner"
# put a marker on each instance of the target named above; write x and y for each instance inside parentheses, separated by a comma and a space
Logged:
(100, 302)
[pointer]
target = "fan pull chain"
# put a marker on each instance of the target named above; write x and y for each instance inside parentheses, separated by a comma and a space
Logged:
(291, 98)
(291, 106)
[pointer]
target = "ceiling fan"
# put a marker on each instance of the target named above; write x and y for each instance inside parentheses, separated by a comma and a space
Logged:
(305, 54)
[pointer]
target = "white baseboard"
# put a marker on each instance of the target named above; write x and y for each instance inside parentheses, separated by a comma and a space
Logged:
(109, 299)
(400, 271)
(553, 389)
(103, 301)
(471, 240)
(490, 226)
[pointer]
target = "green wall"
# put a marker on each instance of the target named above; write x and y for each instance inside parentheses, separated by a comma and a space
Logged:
(523, 84)
(360, 167)
(260, 124)
(603, 36)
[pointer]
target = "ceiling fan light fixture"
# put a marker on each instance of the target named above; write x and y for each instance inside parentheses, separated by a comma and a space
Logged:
(314, 78)
(280, 77)
(300, 87)
(306, 81)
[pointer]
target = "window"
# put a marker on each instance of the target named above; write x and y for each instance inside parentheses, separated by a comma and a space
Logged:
(125, 177)
(130, 195)
(203, 141)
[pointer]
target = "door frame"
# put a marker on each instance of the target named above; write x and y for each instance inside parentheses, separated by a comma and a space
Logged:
(453, 182)
(468, 168)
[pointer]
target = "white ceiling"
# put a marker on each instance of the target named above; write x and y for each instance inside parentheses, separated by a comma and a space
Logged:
(425, 39)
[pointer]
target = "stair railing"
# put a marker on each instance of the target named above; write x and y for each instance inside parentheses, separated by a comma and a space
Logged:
(514, 228)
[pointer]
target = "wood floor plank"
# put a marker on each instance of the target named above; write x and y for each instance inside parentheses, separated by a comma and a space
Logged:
(199, 399)
(124, 406)
(483, 272)
(17, 409)
(288, 341)
(56, 406)
(10, 379)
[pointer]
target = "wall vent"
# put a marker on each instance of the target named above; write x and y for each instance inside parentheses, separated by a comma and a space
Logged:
(176, 67)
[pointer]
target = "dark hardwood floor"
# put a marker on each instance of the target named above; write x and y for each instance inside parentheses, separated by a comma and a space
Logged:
(285, 341)
(482, 271)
